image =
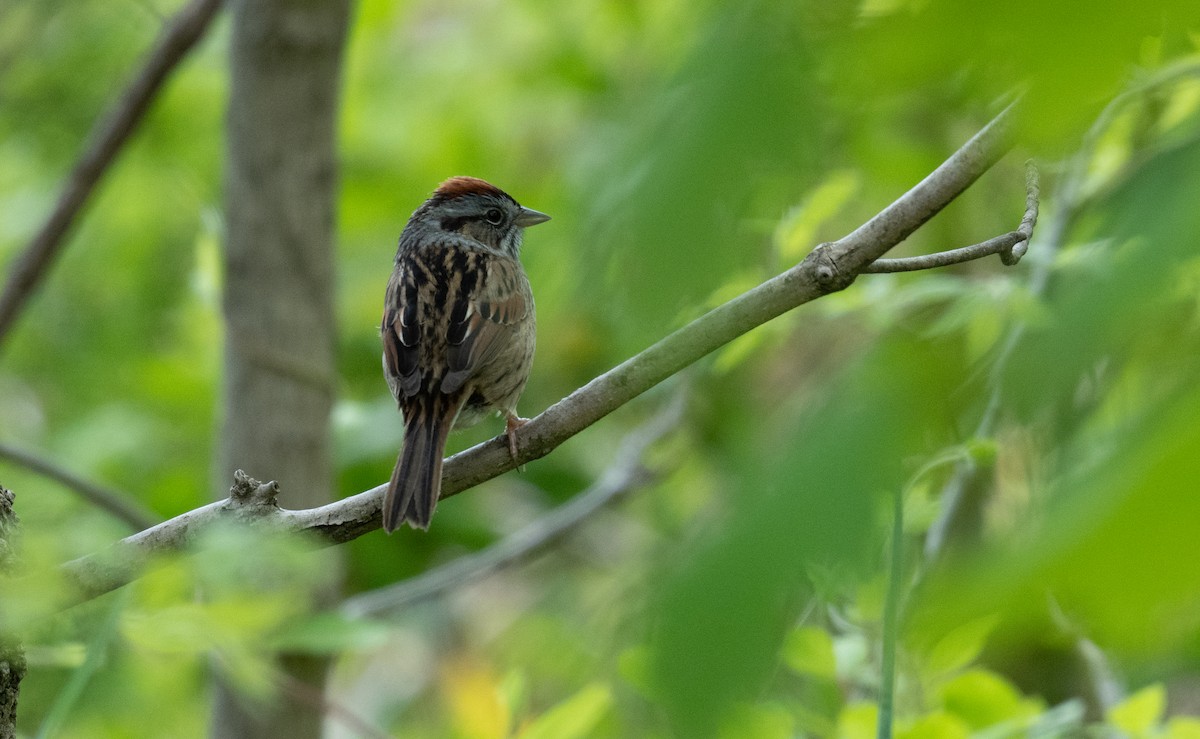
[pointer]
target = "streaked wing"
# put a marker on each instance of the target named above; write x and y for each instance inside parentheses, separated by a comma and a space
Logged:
(485, 316)
(401, 334)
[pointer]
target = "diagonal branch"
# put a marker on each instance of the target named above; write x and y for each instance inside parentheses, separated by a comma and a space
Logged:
(627, 473)
(119, 505)
(107, 137)
(829, 268)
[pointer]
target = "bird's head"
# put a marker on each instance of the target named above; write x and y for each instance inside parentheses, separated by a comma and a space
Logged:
(481, 211)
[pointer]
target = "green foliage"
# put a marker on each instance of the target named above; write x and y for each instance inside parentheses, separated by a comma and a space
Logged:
(687, 151)
(574, 718)
(327, 633)
(689, 179)
(994, 48)
(1140, 713)
(809, 651)
(754, 567)
(960, 647)
(981, 699)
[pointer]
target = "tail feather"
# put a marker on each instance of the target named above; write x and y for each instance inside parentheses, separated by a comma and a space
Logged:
(416, 482)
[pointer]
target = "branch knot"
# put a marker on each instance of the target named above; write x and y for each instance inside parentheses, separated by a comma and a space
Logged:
(825, 269)
(248, 495)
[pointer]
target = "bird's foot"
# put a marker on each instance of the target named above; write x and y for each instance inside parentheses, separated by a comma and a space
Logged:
(512, 422)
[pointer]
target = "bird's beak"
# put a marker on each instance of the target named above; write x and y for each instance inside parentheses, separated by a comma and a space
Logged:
(530, 217)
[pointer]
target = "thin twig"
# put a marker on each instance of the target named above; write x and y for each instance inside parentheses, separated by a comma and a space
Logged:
(997, 245)
(829, 268)
(120, 505)
(1033, 193)
(891, 620)
(626, 474)
(1010, 246)
(107, 137)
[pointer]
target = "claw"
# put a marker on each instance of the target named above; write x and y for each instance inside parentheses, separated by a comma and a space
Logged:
(512, 422)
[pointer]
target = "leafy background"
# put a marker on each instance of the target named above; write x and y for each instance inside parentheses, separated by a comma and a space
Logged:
(686, 151)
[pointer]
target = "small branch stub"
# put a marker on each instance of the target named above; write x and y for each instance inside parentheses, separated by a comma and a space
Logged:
(249, 496)
(250, 502)
(829, 276)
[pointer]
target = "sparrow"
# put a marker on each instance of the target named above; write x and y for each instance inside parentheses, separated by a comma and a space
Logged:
(458, 331)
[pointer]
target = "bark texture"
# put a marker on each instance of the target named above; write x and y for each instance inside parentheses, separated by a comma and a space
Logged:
(12, 657)
(280, 183)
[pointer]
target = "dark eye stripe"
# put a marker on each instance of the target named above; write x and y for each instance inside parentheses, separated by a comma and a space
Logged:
(453, 224)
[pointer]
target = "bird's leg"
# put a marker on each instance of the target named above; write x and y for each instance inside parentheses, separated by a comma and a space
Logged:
(512, 422)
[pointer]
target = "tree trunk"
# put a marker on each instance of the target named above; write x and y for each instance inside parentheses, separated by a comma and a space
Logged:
(12, 657)
(279, 355)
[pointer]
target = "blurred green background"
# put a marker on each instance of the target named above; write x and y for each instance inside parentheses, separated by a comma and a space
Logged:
(687, 151)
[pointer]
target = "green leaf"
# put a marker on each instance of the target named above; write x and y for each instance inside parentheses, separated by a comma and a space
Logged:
(982, 451)
(935, 725)
(634, 667)
(67, 655)
(474, 699)
(1183, 727)
(858, 721)
(1138, 714)
(760, 721)
(982, 699)
(798, 230)
(186, 628)
(574, 718)
(514, 689)
(330, 633)
(809, 651)
(960, 647)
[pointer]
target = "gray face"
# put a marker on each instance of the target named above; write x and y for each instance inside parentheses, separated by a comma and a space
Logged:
(485, 218)
(491, 218)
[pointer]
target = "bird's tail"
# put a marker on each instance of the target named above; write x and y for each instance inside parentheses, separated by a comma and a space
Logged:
(416, 481)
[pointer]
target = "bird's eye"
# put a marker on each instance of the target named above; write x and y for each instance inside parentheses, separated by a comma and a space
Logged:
(493, 216)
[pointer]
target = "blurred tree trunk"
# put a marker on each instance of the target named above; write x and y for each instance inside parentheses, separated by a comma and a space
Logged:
(280, 181)
(12, 657)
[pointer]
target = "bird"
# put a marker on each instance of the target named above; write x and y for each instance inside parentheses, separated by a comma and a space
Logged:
(458, 331)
